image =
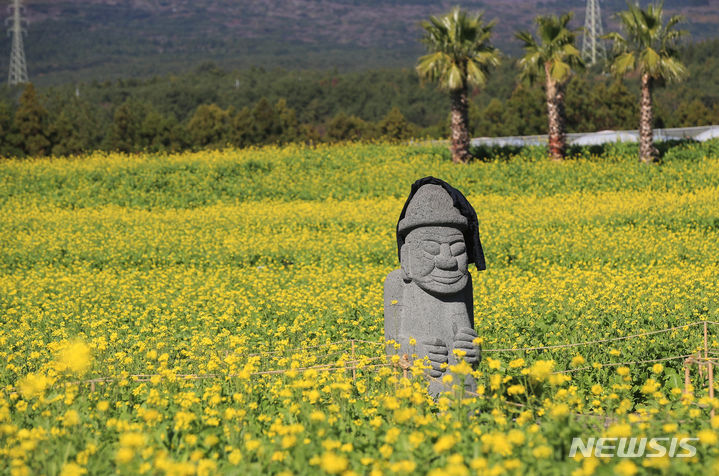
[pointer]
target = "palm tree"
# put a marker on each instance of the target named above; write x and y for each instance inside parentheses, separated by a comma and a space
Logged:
(553, 56)
(649, 49)
(460, 55)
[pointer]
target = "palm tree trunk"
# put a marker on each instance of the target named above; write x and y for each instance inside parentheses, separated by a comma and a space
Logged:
(647, 152)
(459, 143)
(555, 115)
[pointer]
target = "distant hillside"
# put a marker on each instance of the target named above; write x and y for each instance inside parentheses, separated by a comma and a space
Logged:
(99, 39)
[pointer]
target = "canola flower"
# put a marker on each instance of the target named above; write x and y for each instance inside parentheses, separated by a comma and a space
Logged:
(145, 269)
(33, 385)
(74, 357)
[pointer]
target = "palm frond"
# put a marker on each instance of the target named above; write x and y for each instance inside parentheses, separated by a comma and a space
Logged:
(649, 44)
(454, 77)
(559, 71)
(460, 47)
(553, 48)
(623, 63)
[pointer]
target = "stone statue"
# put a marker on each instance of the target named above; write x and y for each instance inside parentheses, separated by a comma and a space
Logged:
(428, 304)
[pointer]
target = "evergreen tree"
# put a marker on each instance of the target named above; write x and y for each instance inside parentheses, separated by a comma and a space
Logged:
(265, 122)
(159, 133)
(287, 121)
(31, 123)
(524, 114)
(65, 136)
(489, 122)
(620, 108)
(8, 136)
(694, 113)
(343, 127)
(123, 132)
(241, 130)
(209, 126)
(394, 126)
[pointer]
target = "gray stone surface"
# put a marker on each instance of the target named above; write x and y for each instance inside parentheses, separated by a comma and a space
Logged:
(430, 298)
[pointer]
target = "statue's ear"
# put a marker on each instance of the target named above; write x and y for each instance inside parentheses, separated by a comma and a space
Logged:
(404, 263)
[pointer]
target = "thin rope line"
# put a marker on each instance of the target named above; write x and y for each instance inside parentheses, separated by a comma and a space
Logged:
(368, 342)
(258, 354)
(612, 339)
(324, 367)
(616, 364)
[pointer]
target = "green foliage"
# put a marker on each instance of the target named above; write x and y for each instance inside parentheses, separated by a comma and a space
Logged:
(209, 126)
(694, 112)
(526, 111)
(343, 127)
(395, 127)
(65, 136)
(553, 55)
(137, 126)
(287, 173)
(650, 45)
(601, 105)
(153, 114)
(461, 53)
(241, 132)
(9, 139)
(273, 124)
(31, 122)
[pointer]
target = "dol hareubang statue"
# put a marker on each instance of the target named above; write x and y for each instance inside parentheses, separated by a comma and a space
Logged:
(429, 298)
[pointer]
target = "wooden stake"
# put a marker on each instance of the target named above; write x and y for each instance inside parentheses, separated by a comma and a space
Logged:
(710, 367)
(711, 386)
(687, 381)
(405, 364)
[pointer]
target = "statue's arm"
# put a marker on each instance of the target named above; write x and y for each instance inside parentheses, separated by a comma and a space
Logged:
(393, 307)
(394, 313)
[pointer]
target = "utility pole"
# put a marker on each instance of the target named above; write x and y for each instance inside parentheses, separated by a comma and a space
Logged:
(18, 67)
(593, 49)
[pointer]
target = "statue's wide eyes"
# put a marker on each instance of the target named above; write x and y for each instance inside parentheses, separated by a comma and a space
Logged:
(431, 247)
(457, 248)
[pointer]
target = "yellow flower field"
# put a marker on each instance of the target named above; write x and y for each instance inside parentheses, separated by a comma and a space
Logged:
(147, 302)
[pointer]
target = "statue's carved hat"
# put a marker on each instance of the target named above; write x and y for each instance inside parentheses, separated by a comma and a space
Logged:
(434, 202)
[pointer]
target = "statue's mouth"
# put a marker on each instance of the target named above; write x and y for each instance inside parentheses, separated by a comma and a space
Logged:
(447, 279)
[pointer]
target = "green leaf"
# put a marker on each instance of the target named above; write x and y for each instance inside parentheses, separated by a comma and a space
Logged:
(673, 378)
(560, 71)
(455, 78)
(624, 63)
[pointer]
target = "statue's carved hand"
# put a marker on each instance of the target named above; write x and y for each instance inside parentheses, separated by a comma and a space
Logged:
(463, 340)
(438, 354)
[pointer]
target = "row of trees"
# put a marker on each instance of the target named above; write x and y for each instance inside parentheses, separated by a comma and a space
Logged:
(210, 107)
(461, 55)
(136, 126)
(43, 124)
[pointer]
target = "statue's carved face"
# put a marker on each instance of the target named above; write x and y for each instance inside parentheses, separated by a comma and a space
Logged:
(435, 257)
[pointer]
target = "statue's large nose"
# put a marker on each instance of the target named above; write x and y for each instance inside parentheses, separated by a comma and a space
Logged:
(445, 260)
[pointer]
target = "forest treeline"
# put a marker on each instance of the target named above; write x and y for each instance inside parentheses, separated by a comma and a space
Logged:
(210, 107)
